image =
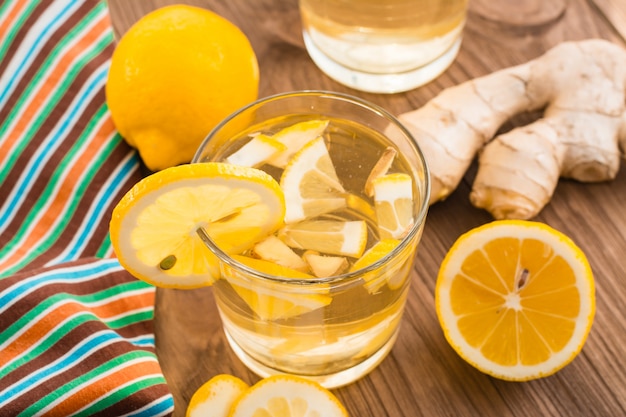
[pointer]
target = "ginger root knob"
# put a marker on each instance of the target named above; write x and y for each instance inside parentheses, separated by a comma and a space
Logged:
(582, 87)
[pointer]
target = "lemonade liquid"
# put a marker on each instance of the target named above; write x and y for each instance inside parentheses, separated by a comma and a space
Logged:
(383, 36)
(357, 327)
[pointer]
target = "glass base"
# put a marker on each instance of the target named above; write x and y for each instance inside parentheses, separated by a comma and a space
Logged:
(328, 381)
(381, 83)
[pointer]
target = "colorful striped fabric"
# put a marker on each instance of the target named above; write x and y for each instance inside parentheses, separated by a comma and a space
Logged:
(76, 333)
(62, 164)
(77, 340)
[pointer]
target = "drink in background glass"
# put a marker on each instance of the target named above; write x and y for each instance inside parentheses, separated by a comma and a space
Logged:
(336, 329)
(383, 46)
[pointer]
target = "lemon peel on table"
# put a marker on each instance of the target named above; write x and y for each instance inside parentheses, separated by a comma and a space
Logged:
(174, 75)
(154, 226)
(282, 395)
(516, 299)
(215, 397)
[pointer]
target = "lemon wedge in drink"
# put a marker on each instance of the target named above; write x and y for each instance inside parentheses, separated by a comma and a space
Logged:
(256, 151)
(269, 300)
(375, 253)
(154, 226)
(515, 299)
(393, 204)
(374, 280)
(331, 237)
(310, 183)
(294, 137)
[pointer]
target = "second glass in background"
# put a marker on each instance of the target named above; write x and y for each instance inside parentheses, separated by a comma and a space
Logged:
(383, 46)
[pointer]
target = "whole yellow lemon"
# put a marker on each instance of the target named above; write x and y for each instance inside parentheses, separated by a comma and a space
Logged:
(174, 75)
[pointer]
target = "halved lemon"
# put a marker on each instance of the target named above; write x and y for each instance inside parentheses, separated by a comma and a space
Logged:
(154, 226)
(330, 237)
(393, 203)
(516, 299)
(294, 137)
(287, 396)
(310, 183)
(216, 396)
(269, 300)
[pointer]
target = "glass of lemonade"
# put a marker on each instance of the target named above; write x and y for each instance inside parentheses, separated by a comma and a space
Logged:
(336, 328)
(383, 46)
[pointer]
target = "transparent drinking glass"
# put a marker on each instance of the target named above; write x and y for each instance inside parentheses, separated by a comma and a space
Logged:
(333, 329)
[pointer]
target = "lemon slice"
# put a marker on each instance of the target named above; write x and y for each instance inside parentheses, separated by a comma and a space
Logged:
(310, 183)
(376, 279)
(270, 302)
(287, 396)
(154, 226)
(515, 299)
(330, 237)
(216, 396)
(256, 151)
(294, 137)
(393, 203)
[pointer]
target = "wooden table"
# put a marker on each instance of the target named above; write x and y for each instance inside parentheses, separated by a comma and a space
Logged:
(423, 375)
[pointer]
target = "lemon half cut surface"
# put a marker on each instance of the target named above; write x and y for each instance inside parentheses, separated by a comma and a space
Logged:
(516, 299)
(154, 226)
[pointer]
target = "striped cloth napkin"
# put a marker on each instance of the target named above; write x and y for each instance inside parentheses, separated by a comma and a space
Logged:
(76, 334)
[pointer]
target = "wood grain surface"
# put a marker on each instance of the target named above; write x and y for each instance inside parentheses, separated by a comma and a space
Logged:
(423, 376)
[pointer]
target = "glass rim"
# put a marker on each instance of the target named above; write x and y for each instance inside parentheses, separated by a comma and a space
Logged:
(348, 276)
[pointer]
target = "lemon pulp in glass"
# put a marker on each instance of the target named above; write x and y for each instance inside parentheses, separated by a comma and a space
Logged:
(359, 322)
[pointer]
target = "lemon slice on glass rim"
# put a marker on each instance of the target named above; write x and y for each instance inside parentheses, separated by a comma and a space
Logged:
(155, 227)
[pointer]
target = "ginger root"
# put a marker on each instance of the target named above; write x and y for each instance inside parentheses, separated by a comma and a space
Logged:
(580, 85)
